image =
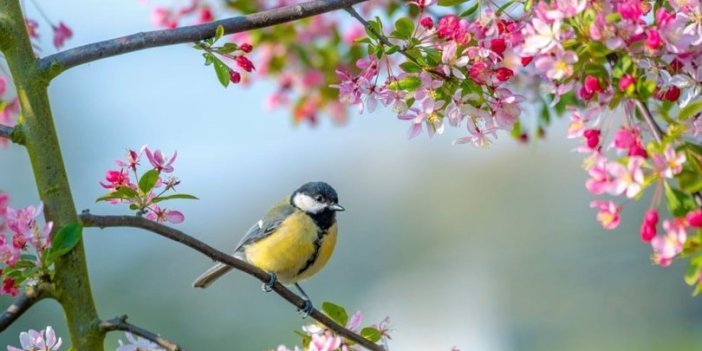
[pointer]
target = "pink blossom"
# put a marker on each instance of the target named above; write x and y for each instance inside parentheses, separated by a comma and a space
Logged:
(631, 9)
(667, 246)
(10, 111)
(608, 214)
(626, 81)
(9, 254)
(163, 17)
(116, 178)
(4, 200)
(61, 34)
(32, 26)
(540, 36)
(160, 162)
(558, 65)
(9, 287)
(160, 215)
(132, 159)
(694, 218)
(670, 163)
(453, 64)
(427, 22)
(324, 342)
(44, 340)
(627, 179)
(578, 121)
(506, 108)
(600, 181)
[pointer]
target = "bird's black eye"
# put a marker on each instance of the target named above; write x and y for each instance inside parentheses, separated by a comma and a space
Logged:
(319, 198)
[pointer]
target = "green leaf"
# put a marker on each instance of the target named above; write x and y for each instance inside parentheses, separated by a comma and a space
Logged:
(679, 203)
(409, 83)
(689, 181)
(222, 72)
(148, 180)
(228, 48)
(219, 32)
(698, 290)
(692, 274)
(371, 334)
(451, 2)
(471, 10)
(404, 27)
(122, 192)
(64, 240)
(410, 67)
(335, 312)
(504, 7)
(690, 110)
(645, 88)
(174, 196)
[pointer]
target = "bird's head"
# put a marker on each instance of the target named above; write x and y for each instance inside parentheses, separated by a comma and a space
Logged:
(316, 197)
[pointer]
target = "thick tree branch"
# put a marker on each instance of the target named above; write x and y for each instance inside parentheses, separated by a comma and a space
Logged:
(30, 296)
(120, 323)
(53, 65)
(12, 133)
(659, 134)
(90, 220)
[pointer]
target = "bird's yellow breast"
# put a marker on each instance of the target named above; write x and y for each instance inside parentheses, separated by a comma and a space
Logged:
(295, 251)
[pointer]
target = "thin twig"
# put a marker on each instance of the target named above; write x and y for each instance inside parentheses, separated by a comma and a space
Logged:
(90, 220)
(659, 134)
(30, 296)
(384, 40)
(120, 323)
(53, 65)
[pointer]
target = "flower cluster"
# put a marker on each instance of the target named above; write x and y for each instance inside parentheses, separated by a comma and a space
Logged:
(144, 193)
(24, 245)
(33, 340)
(317, 337)
(456, 72)
(9, 108)
(229, 52)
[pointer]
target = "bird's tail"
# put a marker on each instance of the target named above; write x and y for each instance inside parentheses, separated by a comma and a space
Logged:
(206, 279)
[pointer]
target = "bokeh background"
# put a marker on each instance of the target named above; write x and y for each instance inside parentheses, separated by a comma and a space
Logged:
(482, 249)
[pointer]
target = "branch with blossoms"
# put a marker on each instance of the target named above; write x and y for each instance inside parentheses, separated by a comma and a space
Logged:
(54, 64)
(90, 220)
(120, 323)
(608, 68)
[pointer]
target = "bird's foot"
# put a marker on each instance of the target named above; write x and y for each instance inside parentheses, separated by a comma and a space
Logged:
(268, 286)
(305, 310)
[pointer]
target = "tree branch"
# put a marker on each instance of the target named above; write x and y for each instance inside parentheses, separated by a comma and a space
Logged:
(90, 220)
(120, 323)
(52, 65)
(659, 134)
(12, 133)
(30, 296)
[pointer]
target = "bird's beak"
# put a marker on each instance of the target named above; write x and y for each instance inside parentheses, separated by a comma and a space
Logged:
(336, 207)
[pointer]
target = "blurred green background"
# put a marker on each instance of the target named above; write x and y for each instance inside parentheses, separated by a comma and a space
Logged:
(483, 249)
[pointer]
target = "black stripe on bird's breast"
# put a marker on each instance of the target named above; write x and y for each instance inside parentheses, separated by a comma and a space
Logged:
(321, 233)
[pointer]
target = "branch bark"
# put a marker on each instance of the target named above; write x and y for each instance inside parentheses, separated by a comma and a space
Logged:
(51, 66)
(120, 323)
(659, 134)
(30, 296)
(13, 133)
(90, 220)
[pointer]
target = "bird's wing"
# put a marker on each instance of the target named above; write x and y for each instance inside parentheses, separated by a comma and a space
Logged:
(268, 224)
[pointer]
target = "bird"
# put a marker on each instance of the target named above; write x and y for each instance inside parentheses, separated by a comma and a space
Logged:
(292, 242)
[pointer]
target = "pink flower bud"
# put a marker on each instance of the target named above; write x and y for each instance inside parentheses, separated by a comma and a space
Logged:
(694, 218)
(626, 81)
(638, 150)
(234, 76)
(244, 63)
(205, 15)
(592, 84)
(498, 46)
(653, 40)
(651, 217)
(593, 137)
(427, 22)
(527, 60)
(503, 74)
(648, 232)
(246, 47)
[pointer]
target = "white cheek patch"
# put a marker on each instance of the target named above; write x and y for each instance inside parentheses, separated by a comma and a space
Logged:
(308, 204)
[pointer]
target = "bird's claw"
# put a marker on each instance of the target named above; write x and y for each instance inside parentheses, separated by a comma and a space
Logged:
(307, 309)
(268, 286)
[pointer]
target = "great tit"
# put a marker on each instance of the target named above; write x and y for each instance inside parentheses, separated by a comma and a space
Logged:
(292, 241)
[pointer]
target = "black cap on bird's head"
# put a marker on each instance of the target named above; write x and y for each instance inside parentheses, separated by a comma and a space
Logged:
(316, 197)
